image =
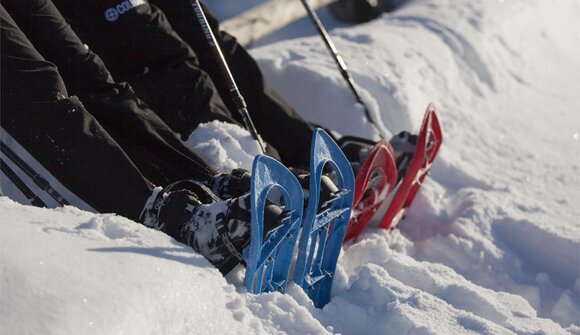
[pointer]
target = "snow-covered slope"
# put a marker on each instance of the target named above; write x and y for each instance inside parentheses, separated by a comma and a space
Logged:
(491, 244)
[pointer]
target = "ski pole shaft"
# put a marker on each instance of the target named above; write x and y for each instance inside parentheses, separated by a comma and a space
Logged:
(40, 181)
(338, 60)
(34, 199)
(237, 97)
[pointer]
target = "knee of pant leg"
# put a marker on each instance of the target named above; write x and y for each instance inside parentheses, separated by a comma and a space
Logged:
(26, 75)
(183, 96)
(25, 81)
(86, 75)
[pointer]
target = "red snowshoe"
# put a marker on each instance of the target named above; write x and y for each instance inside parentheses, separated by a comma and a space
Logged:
(374, 181)
(428, 143)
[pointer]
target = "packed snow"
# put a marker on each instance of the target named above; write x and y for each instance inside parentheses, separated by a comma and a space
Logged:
(491, 245)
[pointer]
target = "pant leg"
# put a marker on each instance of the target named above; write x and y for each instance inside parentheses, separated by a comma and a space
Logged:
(147, 140)
(277, 122)
(139, 46)
(59, 133)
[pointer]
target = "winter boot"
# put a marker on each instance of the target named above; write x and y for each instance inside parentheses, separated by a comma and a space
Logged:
(238, 182)
(357, 149)
(404, 144)
(231, 185)
(328, 187)
(218, 230)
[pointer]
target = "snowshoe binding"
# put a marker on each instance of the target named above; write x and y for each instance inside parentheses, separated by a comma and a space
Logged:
(319, 230)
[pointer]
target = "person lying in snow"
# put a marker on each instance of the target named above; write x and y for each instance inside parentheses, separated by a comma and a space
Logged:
(111, 150)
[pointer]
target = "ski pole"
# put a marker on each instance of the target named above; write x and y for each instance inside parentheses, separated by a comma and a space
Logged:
(338, 60)
(40, 181)
(34, 199)
(237, 97)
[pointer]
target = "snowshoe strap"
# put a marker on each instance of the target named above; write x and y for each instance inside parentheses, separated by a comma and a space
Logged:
(202, 192)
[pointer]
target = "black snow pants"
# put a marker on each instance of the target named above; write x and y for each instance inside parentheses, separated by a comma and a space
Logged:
(160, 49)
(104, 154)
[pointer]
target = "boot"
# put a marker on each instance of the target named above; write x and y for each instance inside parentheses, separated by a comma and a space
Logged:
(404, 144)
(231, 185)
(218, 230)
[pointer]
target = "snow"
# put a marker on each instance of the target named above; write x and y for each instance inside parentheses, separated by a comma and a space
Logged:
(490, 246)
(224, 146)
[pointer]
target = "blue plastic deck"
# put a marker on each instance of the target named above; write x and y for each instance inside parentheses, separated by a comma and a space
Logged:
(322, 233)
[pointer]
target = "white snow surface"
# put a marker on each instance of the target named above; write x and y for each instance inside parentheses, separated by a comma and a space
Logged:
(490, 246)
